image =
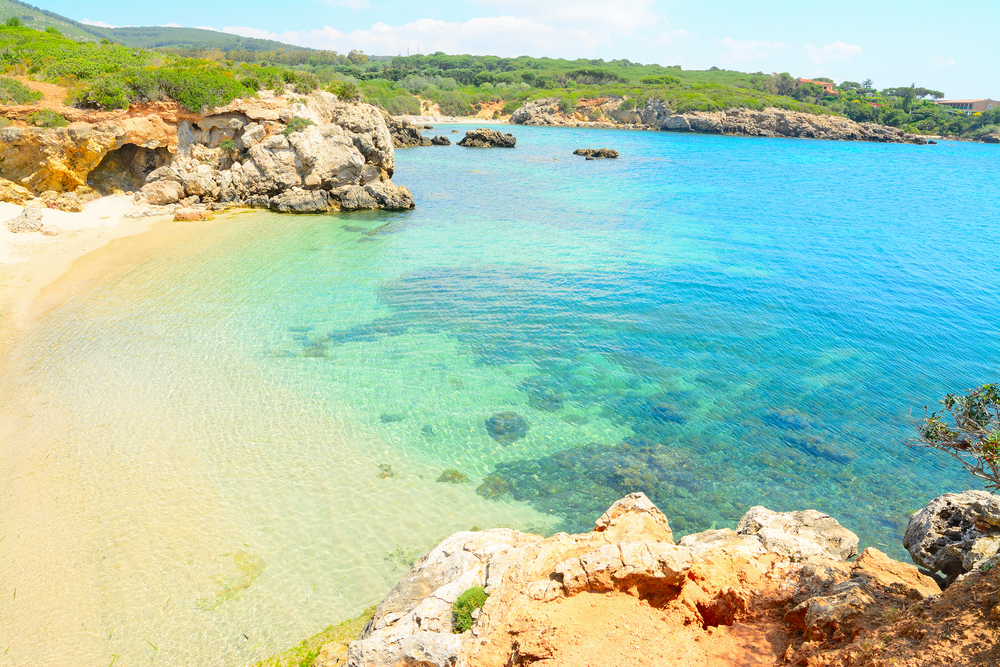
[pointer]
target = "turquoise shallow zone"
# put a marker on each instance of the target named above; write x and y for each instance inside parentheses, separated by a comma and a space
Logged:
(720, 322)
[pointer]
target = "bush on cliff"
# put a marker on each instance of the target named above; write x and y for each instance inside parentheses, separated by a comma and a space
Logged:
(467, 602)
(13, 91)
(968, 430)
(46, 118)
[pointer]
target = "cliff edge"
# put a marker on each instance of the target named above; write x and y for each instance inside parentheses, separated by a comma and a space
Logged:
(783, 588)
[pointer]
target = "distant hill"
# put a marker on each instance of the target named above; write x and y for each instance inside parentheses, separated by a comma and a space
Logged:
(154, 37)
(40, 19)
(151, 37)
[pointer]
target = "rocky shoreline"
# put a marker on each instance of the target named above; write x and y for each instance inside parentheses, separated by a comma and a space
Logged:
(782, 588)
(615, 113)
(286, 153)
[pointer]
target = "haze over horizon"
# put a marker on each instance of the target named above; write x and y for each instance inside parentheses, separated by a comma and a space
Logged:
(893, 43)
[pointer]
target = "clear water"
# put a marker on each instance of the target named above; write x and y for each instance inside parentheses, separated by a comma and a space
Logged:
(753, 319)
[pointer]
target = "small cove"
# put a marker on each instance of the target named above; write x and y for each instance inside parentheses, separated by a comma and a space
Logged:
(245, 428)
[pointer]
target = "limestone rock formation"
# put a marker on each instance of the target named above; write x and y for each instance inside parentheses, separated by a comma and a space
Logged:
(487, 138)
(799, 535)
(596, 152)
(405, 134)
(955, 533)
(656, 115)
(236, 155)
(30, 220)
(627, 592)
(440, 140)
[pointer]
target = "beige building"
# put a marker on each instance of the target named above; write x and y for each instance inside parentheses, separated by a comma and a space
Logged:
(970, 106)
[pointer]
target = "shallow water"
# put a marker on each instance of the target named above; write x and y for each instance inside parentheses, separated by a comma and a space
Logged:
(717, 321)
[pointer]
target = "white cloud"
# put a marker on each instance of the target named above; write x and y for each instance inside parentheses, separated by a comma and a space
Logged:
(207, 27)
(670, 36)
(170, 25)
(98, 24)
(622, 17)
(738, 51)
(350, 4)
(830, 52)
(496, 35)
(941, 63)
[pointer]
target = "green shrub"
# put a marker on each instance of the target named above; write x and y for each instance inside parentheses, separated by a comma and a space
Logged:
(467, 602)
(13, 91)
(13, 22)
(968, 431)
(512, 106)
(345, 90)
(566, 104)
(52, 30)
(659, 80)
(46, 118)
(297, 125)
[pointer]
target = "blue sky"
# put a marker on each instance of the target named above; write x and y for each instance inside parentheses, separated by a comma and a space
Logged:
(953, 47)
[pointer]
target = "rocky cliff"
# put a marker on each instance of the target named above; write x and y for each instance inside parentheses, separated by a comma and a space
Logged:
(337, 156)
(783, 588)
(655, 115)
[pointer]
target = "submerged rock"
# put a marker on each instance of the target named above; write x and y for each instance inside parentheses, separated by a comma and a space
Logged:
(506, 427)
(486, 138)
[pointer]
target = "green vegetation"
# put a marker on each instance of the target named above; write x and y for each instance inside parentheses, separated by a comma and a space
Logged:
(109, 76)
(297, 125)
(307, 651)
(969, 431)
(46, 118)
(113, 68)
(13, 91)
(467, 602)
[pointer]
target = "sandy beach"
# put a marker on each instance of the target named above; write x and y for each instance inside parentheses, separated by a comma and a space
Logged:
(31, 261)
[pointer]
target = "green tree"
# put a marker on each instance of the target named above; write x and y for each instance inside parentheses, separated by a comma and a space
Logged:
(968, 430)
(14, 22)
(357, 57)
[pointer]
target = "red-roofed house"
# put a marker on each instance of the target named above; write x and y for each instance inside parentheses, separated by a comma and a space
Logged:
(827, 86)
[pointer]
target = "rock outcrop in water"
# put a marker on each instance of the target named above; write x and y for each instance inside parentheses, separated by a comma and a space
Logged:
(340, 157)
(596, 152)
(486, 138)
(777, 590)
(656, 115)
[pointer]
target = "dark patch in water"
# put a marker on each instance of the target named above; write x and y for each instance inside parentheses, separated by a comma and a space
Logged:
(391, 417)
(816, 447)
(506, 427)
(787, 419)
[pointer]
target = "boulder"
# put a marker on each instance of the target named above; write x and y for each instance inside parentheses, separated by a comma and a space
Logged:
(955, 533)
(162, 192)
(30, 220)
(165, 173)
(799, 535)
(14, 193)
(405, 134)
(596, 152)
(385, 195)
(301, 201)
(486, 138)
(440, 141)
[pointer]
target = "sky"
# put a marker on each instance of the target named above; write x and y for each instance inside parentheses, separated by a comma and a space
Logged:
(953, 47)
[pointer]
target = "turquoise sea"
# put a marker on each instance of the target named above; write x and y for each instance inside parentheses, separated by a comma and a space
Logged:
(254, 420)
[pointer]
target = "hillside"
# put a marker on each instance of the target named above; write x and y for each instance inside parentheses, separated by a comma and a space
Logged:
(156, 37)
(40, 19)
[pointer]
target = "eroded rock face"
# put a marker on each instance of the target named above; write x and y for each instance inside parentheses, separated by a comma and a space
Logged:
(405, 134)
(485, 138)
(237, 155)
(718, 597)
(955, 533)
(799, 535)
